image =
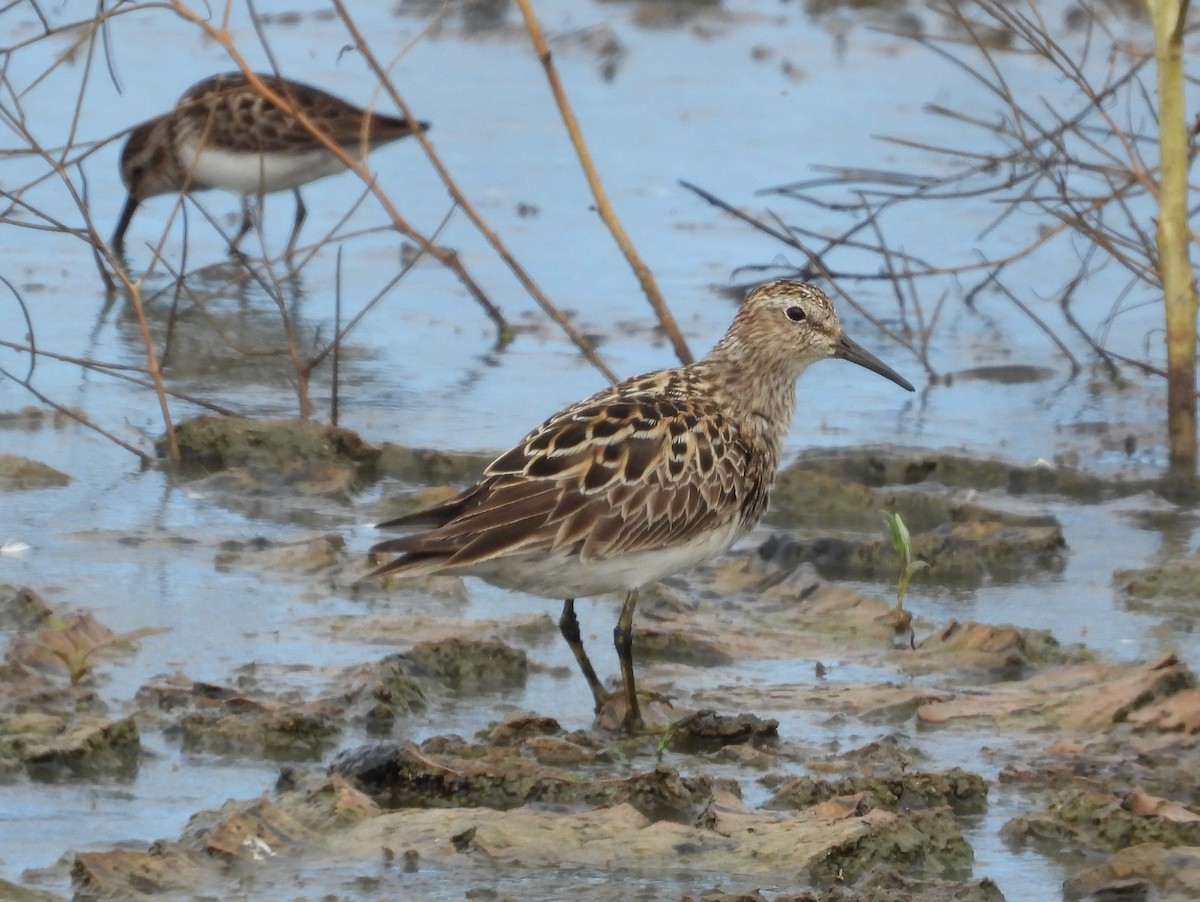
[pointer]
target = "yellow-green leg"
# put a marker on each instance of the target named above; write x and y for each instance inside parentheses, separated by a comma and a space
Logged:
(568, 625)
(623, 639)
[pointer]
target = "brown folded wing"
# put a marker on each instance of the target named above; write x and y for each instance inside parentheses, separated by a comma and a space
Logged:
(255, 125)
(607, 477)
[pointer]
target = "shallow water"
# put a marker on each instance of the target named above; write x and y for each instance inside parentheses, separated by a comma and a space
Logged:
(736, 97)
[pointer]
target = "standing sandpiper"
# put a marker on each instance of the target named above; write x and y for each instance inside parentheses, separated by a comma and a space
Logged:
(644, 479)
(224, 134)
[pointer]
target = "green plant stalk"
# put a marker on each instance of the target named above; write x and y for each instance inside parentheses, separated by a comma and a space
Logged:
(1175, 269)
(902, 543)
(902, 587)
(665, 739)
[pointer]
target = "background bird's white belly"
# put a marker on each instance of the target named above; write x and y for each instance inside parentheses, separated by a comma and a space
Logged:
(250, 173)
(564, 575)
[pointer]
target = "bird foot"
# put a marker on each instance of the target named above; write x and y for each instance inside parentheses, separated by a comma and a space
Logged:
(615, 715)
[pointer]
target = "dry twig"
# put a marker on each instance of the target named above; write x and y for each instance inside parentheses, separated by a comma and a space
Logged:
(603, 206)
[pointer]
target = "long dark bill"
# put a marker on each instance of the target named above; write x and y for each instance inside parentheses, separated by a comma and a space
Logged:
(856, 353)
(118, 238)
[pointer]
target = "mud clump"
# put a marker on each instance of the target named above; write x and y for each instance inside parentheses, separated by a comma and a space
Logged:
(18, 473)
(21, 609)
(835, 498)
(999, 652)
(1083, 818)
(1078, 699)
(887, 886)
(224, 720)
(380, 693)
(427, 467)
(927, 841)
(964, 792)
(88, 748)
(679, 648)
(959, 554)
(541, 739)
(278, 734)
(290, 471)
(1168, 588)
(209, 443)
(889, 466)
(247, 719)
(473, 665)
(1146, 871)
(117, 872)
(53, 724)
(445, 772)
(882, 774)
(705, 730)
(261, 555)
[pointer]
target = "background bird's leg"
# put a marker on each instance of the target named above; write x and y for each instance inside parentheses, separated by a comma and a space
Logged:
(247, 223)
(623, 639)
(301, 213)
(568, 625)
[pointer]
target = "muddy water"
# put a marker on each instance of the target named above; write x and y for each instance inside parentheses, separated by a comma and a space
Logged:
(733, 97)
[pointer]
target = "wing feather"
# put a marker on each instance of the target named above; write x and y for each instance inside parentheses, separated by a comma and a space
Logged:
(634, 468)
(262, 127)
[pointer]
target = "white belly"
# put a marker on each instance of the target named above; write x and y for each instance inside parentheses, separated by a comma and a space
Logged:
(252, 173)
(563, 575)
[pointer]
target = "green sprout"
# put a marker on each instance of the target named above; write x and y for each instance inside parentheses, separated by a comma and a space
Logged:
(665, 739)
(902, 542)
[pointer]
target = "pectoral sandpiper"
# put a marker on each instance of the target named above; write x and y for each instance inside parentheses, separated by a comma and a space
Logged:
(224, 134)
(644, 479)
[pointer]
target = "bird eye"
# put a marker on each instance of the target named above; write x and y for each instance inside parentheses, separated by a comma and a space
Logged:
(796, 314)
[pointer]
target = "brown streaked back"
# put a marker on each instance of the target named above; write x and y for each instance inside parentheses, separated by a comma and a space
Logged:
(234, 116)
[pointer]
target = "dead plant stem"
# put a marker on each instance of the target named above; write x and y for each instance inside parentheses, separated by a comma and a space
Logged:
(1174, 264)
(577, 338)
(603, 205)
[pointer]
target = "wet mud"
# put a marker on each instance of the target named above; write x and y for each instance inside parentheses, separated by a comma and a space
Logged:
(722, 796)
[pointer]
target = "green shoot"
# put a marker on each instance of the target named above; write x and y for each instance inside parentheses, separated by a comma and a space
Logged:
(665, 739)
(902, 542)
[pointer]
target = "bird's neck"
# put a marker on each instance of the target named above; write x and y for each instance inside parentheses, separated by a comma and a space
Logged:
(760, 391)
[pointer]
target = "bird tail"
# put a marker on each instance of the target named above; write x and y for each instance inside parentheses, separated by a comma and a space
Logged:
(416, 560)
(409, 563)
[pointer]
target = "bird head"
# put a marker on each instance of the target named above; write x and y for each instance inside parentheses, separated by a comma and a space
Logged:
(795, 325)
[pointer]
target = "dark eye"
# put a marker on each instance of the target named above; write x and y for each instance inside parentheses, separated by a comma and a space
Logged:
(796, 314)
